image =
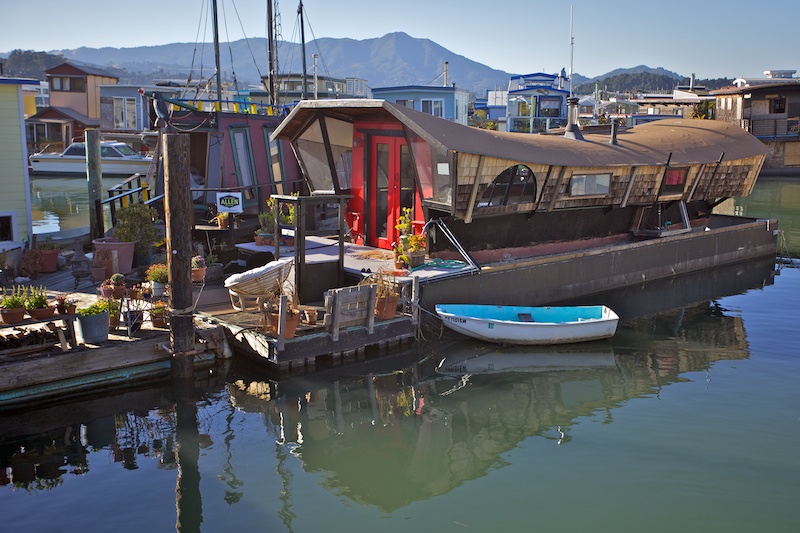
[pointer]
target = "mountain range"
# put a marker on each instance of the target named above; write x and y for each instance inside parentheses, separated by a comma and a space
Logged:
(392, 60)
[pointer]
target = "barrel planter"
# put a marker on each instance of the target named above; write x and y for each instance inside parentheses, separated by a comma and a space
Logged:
(125, 251)
(94, 328)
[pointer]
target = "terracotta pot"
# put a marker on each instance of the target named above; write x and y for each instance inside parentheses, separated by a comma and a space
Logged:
(98, 273)
(159, 320)
(199, 274)
(386, 307)
(134, 294)
(49, 261)
(119, 291)
(66, 310)
(259, 240)
(42, 312)
(222, 223)
(106, 292)
(13, 315)
(292, 321)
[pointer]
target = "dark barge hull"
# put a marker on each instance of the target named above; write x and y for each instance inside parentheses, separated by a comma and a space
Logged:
(558, 277)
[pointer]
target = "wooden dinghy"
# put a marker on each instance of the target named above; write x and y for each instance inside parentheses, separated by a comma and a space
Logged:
(508, 324)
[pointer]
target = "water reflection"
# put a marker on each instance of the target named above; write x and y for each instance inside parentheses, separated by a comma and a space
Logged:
(776, 198)
(383, 433)
(62, 203)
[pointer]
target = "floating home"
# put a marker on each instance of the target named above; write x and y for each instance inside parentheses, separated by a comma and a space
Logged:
(535, 219)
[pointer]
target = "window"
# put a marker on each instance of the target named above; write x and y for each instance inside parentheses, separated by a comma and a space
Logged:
(433, 107)
(407, 103)
(777, 105)
(67, 84)
(589, 184)
(7, 225)
(76, 150)
(243, 157)
(515, 185)
(125, 114)
(674, 181)
(550, 107)
(107, 151)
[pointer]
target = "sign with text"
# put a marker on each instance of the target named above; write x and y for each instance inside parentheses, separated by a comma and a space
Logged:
(229, 202)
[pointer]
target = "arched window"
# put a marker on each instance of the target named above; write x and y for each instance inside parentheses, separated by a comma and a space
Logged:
(515, 185)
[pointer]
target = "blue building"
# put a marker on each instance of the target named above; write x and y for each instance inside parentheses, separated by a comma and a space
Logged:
(448, 102)
(537, 102)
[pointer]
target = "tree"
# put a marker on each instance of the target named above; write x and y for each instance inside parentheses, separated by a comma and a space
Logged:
(30, 64)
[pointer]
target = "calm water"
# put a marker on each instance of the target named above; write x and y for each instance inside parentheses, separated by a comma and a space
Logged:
(687, 420)
(62, 203)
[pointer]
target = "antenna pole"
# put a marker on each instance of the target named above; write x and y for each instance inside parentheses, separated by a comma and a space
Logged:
(571, 47)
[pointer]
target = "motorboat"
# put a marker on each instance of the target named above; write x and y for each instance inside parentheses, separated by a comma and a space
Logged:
(117, 159)
(512, 324)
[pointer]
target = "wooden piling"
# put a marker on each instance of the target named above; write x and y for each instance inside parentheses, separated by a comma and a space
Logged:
(179, 251)
(94, 178)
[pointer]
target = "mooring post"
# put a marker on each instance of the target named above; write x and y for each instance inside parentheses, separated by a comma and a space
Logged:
(94, 178)
(179, 251)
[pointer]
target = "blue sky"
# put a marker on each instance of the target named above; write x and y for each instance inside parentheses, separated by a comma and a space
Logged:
(712, 38)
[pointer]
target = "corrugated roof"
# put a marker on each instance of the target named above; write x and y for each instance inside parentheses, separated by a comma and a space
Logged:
(689, 141)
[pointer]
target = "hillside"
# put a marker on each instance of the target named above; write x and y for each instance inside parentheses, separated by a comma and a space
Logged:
(394, 59)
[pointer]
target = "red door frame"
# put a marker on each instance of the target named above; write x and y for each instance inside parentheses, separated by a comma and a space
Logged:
(386, 186)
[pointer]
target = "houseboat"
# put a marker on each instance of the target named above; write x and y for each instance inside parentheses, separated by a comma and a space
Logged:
(537, 219)
(118, 159)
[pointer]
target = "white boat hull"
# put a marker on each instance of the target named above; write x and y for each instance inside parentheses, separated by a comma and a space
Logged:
(58, 164)
(530, 325)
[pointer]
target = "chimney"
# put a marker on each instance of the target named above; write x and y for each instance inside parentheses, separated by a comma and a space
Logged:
(691, 82)
(445, 73)
(613, 132)
(573, 131)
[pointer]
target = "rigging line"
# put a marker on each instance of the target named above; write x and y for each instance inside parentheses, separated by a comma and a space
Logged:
(230, 50)
(194, 55)
(324, 64)
(246, 40)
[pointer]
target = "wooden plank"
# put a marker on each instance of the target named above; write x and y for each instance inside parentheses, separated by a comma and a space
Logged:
(40, 370)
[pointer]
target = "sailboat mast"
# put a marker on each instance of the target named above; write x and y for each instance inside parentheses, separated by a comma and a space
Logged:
(271, 47)
(216, 52)
(303, 41)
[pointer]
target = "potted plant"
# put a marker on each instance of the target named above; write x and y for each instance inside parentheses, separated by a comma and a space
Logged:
(13, 304)
(134, 232)
(266, 221)
(409, 247)
(158, 276)
(387, 294)
(107, 288)
(221, 220)
(50, 252)
(93, 322)
(37, 304)
(158, 314)
(118, 284)
(293, 315)
(198, 268)
(65, 305)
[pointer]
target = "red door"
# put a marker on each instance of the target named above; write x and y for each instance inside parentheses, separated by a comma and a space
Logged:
(391, 188)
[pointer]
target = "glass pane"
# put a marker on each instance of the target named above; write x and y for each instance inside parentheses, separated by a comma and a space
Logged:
(119, 114)
(130, 114)
(241, 146)
(311, 152)
(382, 187)
(406, 179)
(433, 171)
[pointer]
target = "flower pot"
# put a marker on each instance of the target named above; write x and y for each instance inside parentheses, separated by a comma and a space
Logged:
(158, 289)
(106, 292)
(124, 250)
(42, 312)
(416, 259)
(159, 320)
(62, 310)
(134, 294)
(259, 240)
(13, 315)
(98, 273)
(222, 223)
(215, 271)
(49, 261)
(119, 291)
(292, 321)
(199, 274)
(94, 328)
(386, 307)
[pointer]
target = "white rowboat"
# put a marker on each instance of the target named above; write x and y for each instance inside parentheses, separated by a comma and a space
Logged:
(508, 324)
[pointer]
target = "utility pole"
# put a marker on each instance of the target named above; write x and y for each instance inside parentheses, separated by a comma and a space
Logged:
(303, 42)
